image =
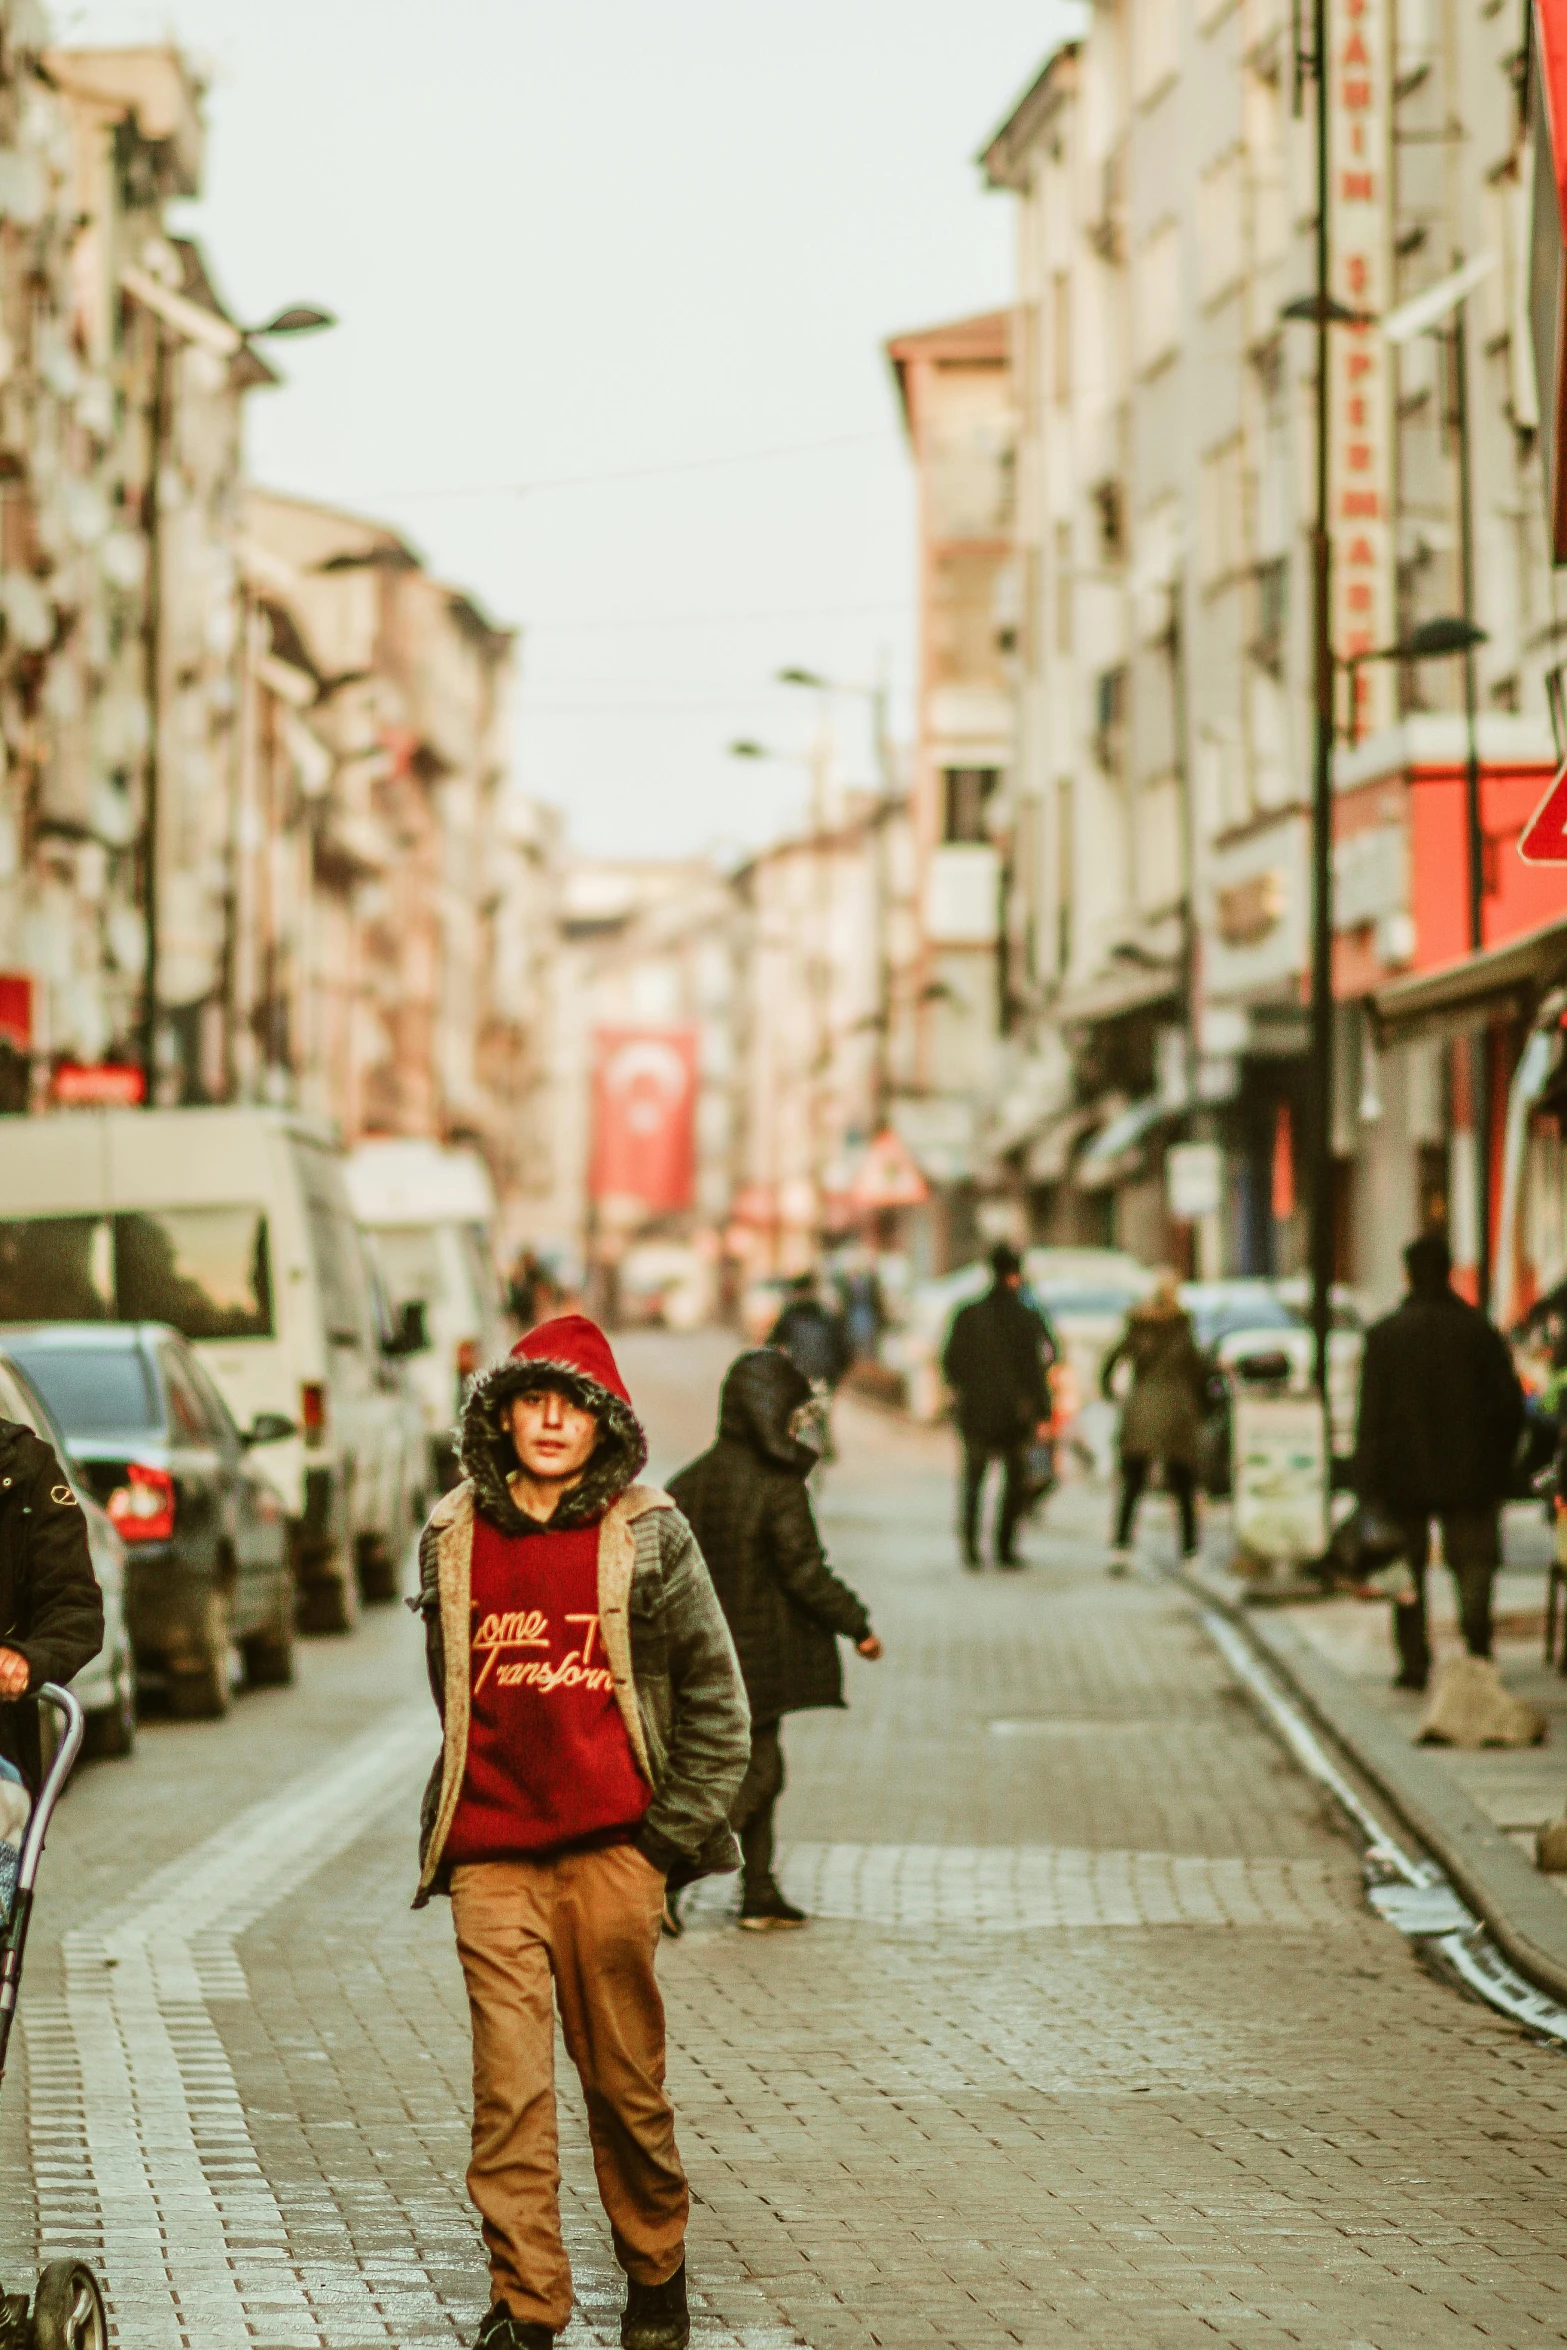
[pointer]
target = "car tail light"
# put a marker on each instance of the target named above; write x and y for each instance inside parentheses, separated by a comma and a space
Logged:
(467, 1357)
(142, 1509)
(312, 1410)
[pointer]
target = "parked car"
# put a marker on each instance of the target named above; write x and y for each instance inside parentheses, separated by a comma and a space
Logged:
(1087, 1293)
(233, 1226)
(207, 1565)
(106, 1688)
(429, 1215)
(1251, 1319)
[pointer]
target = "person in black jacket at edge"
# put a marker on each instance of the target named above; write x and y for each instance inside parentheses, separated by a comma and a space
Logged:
(746, 1503)
(997, 1361)
(1440, 1414)
(51, 1610)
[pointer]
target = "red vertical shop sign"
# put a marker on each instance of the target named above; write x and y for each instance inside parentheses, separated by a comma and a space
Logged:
(644, 1117)
(1360, 363)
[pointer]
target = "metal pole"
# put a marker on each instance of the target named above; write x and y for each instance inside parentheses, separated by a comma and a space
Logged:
(881, 1086)
(1479, 1042)
(1321, 1124)
(152, 633)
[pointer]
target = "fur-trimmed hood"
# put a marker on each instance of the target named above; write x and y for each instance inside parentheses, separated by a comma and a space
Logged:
(571, 1354)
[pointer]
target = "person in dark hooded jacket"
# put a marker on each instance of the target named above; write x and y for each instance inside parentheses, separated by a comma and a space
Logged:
(746, 1502)
(51, 1610)
(594, 1734)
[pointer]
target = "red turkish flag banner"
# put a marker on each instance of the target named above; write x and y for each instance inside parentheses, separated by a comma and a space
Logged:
(644, 1117)
(1543, 840)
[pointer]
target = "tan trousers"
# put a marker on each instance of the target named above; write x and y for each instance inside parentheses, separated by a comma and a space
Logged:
(590, 1920)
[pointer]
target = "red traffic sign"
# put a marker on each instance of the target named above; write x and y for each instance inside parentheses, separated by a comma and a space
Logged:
(1543, 840)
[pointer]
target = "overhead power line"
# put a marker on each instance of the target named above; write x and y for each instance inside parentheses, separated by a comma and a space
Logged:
(578, 481)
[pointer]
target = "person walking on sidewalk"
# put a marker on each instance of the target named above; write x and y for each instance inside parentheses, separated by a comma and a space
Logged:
(997, 1362)
(1440, 1414)
(594, 1734)
(746, 1502)
(1162, 1417)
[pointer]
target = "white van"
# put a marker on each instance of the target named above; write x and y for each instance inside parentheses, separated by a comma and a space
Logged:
(430, 1217)
(234, 1226)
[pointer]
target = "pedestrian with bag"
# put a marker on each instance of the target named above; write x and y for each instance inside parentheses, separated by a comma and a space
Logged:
(1441, 1410)
(997, 1362)
(51, 1609)
(594, 1735)
(1161, 1421)
(746, 1501)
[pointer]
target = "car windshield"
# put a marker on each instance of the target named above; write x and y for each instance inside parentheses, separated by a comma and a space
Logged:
(1216, 1318)
(1066, 1298)
(92, 1390)
(205, 1270)
(410, 1259)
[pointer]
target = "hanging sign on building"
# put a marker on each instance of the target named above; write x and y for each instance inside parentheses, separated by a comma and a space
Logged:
(1359, 361)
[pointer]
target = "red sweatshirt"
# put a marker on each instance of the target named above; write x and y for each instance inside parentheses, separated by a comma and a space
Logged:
(549, 1758)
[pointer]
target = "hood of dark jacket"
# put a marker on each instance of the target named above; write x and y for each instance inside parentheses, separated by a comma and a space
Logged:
(761, 1395)
(572, 1355)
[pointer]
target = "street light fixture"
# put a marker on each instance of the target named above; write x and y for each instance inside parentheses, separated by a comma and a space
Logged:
(1449, 633)
(170, 314)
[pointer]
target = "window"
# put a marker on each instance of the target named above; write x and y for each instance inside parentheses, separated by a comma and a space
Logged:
(1155, 46)
(189, 1422)
(1110, 717)
(1063, 588)
(1066, 869)
(1061, 338)
(1110, 501)
(206, 1271)
(1156, 296)
(410, 1260)
(56, 1269)
(1219, 215)
(1273, 581)
(92, 1390)
(965, 791)
(1221, 512)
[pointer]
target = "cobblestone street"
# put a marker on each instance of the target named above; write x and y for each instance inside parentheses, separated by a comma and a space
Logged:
(1093, 2038)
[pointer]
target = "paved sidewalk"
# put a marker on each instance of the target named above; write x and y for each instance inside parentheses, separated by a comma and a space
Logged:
(1093, 2038)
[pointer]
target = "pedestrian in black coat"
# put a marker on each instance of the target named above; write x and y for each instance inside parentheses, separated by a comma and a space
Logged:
(1440, 1414)
(51, 1610)
(815, 1339)
(746, 1503)
(997, 1362)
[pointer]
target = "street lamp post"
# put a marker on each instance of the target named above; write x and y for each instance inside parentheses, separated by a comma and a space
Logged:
(169, 313)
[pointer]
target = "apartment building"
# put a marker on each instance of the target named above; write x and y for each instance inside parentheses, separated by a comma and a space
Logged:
(1162, 174)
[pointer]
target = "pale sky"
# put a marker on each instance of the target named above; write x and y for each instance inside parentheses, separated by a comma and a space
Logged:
(582, 238)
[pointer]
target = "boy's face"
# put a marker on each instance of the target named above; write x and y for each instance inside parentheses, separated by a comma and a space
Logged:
(554, 1437)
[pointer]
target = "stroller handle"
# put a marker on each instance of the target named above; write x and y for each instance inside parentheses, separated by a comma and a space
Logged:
(63, 1703)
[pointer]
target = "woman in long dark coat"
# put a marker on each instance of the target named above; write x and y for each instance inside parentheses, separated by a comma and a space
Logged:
(1162, 1418)
(746, 1502)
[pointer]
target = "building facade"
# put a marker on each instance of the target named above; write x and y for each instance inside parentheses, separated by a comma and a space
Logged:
(1159, 899)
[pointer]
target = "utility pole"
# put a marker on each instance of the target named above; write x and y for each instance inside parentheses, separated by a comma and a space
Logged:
(152, 653)
(1479, 1042)
(1321, 1126)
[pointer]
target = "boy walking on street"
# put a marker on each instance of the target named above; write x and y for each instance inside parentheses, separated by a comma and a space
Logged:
(595, 1733)
(747, 1505)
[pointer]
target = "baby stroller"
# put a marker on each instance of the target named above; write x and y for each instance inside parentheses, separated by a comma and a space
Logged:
(66, 2312)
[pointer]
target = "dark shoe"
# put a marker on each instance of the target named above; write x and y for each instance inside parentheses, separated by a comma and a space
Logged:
(656, 2317)
(761, 1913)
(1410, 1680)
(1009, 1558)
(672, 1923)
(502, 2331)
(972, 1562)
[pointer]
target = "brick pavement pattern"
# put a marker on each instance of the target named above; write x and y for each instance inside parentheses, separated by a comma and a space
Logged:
(1093, 2038)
